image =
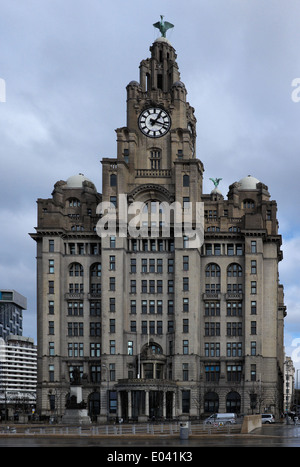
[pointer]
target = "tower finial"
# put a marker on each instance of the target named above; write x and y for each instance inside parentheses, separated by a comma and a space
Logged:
(163, 26)
(216, 181)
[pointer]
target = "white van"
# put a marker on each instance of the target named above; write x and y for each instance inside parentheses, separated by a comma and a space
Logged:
(221, 419)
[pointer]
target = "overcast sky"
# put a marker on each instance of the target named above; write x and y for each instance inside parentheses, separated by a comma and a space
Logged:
(66, 65)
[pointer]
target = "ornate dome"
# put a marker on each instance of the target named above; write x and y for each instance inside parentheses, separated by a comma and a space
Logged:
(76, 181)
(248, 183)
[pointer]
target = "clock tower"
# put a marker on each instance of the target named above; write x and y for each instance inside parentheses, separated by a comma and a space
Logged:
(158, 144)
(156, 163)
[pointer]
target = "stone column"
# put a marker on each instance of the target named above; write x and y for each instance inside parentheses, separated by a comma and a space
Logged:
(129, 405)
(147, 403)
(164, 405)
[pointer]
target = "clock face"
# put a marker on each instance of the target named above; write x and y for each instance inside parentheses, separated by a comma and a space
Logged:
(154, 122)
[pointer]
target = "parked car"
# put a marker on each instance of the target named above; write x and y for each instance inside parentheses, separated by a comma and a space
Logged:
(221, 419)
(267, 418)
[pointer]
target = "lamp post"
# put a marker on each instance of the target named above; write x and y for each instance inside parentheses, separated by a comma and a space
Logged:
(107, 390)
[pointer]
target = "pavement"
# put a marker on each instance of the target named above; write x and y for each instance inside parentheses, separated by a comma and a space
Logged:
(275, 435)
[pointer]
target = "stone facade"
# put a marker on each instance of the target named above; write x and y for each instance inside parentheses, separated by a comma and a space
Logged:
(159, 326)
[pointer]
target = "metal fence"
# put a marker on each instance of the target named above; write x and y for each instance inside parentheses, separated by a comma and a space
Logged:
(139, 429)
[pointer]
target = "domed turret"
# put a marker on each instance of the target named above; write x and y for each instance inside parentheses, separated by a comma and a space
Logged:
(248, 183)
(76, 181)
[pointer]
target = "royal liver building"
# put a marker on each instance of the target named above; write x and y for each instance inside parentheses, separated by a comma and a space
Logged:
(156, 324)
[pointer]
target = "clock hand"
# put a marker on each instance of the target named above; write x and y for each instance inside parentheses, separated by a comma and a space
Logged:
(163, 124)
(155, 121)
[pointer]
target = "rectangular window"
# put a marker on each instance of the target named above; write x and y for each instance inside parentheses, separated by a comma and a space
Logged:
(185, 401)
(185, 325)
(51, 266)
(170, 265)
(152, 327)
(253, 287)
(144, 265)
(51, 373)
(212, 373)
(51, 307)
(185, 284)
(185, 347)
(133, 307)
(95, 308)
(51, 328)
(51, 349)
(152, 265)
(130, 348)
(112, 283)
(253, 372)
(132, 286)
(159, 266)
(253, 266)
(112, 304)
(112, 325)
(95, 373)
(112, 347)
(144, 306)
(253, 327)
(234, 372)
(230, 249)
(132, 326)
(185, 371)
(51, 287)
(253, 246)
(185, 305)
(112, 263)
(152, 306)
(133, 265)
(185, 263)
(253, 348)
(95, 349)
(152, 286)
(170, 307)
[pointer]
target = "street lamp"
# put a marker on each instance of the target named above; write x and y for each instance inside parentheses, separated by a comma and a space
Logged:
(107, 390)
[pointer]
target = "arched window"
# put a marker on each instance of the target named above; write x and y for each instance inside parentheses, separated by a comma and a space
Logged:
(212, 270)
(234, 270)
(248, 204)
(96, 270)
(73, 202)
(95, 278)
(212, 282)
(75, 270)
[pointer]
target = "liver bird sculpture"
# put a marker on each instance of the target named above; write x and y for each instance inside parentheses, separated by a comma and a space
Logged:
(163, 26)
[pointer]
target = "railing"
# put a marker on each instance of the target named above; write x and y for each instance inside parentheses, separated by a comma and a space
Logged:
(121, 429)
(153, 173)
